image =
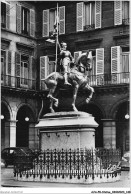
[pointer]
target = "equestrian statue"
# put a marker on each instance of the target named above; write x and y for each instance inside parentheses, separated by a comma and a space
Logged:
(74, 77)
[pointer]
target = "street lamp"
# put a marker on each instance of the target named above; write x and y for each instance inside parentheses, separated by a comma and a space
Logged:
(27, 119)
(2, 117)
(127, 116)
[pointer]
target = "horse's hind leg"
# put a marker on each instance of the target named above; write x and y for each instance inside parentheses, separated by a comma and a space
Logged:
(91, 94)
(74, 96)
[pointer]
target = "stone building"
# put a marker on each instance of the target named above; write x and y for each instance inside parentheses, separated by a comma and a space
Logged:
(27, 58)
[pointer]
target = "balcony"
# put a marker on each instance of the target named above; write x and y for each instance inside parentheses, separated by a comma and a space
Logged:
(89, 27)
(94, 80)
(126, 21)
(17, 82)
(109, 79)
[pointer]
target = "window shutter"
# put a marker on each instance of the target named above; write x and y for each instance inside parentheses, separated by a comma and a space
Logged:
(115, 63)
(18, 18)
(100, 66)
(45, 23)
(80, 12)
(32, 22)
(9, 63)
(117, 12)
(97, 14)
(115, 59)
(76, 55)
(43, 70)
(8, 67)
(30, 72)
(17, 68)
(62, 20)
(8, 16)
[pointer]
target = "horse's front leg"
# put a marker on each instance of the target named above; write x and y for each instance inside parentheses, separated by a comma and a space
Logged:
(50, 95)
(52, 99)
(75, 91)
(91, 93)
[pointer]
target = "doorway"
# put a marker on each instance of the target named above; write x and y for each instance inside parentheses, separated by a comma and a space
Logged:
(22, 127)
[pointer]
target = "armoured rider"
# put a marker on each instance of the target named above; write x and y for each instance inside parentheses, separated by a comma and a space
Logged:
(66, 58)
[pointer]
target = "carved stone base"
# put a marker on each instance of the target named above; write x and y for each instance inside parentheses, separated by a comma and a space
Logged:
(67, 130)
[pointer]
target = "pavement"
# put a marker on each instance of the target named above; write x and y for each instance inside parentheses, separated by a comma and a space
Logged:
(8, 180)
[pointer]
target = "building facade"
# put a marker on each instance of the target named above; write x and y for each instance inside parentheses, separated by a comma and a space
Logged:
(27, 58)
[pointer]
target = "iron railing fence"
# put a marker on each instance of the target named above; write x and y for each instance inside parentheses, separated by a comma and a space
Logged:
(70, 163)
(18, 82)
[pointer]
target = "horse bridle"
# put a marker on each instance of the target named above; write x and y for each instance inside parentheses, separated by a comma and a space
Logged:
(85, 68)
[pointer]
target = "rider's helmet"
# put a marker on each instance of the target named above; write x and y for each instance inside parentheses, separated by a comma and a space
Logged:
(63, 44)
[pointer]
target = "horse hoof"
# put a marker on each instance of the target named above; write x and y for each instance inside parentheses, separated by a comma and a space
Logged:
(56, 104)
(52, 110)
(75, 109)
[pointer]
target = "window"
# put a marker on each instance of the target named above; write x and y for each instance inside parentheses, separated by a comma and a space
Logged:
(121, 12)
(49, 20)
(52, 16)
(125, 12)
(125, 59)
(88, 15)
(24, 70)
(120, 64)
(5, 15)
(6, 67)
(25, 20)
(47, 66)
(96, 75)
(3, 55)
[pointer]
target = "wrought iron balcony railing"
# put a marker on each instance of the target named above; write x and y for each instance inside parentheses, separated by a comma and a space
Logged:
(109, 79)
(94, 80)
(17, 82)
(89, 27)
(126, 21)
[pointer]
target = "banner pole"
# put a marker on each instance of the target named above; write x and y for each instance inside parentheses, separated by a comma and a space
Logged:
(56, 38)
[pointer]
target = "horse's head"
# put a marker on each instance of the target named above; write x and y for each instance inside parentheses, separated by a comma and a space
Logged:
(85, 60)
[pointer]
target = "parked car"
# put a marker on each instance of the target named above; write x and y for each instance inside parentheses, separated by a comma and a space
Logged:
(18, 156)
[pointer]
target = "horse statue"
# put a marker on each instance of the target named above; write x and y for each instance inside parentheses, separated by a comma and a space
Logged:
(77, 78)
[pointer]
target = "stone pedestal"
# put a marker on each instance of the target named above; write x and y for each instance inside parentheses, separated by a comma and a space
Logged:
(67, 130)
(70, 130)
